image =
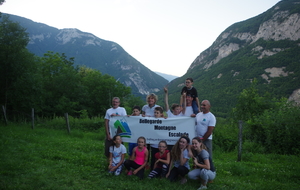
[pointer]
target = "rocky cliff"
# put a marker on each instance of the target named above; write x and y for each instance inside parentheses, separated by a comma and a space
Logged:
(89, 50)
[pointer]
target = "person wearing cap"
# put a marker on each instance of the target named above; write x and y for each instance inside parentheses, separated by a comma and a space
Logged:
(205, 124)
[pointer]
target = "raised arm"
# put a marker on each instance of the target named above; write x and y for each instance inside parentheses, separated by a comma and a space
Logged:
(166, 99)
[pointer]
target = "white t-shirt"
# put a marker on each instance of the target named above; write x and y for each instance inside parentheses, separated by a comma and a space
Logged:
(119, 111)
(117, 153)
(202, 123)
(170, 114)
(149, 112)
(188, 111)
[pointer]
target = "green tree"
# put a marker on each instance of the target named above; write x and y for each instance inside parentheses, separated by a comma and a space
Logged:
(99, 90)
(17, 67)
(60, 84)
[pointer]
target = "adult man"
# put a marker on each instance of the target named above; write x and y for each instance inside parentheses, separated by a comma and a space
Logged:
(114, 111)
(205, 124)
(188, 109)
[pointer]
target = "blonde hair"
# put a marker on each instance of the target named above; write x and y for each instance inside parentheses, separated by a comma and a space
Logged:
(152, 95)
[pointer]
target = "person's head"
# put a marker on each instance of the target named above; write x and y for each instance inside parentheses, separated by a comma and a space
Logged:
(205, 106)
(197, 144)
(176, 109)
(162, 146)
(136, 111)
(189, 82)
(115, 102)
(189, 99)
(151, 99)
(141, 141)
(158, 112)
(182, 143)
(117, 140)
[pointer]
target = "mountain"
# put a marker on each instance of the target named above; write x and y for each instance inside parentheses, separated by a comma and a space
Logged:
(166, 76)
(89, 50)
(265, 47)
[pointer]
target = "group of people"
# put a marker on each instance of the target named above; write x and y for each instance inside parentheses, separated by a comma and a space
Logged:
(166, 161)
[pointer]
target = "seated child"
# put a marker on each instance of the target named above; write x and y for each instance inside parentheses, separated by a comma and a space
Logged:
(162, 162)
(138, 159)
(117, 153)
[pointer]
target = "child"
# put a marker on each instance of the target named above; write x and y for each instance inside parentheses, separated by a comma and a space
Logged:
(138, 159)
(162, 161)
(117, 153)
(205, 169)
(136, 111)
(190, 90)
(176, 109)
(180, 158)
(148, 111)
(158, 113)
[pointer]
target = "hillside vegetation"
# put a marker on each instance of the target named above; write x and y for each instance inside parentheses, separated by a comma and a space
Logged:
(245, 51)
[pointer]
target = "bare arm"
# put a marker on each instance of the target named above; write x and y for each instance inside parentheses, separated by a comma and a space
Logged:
(144, 164)
(198, 104)
(206, 164)
(208, 132)
(166, 99)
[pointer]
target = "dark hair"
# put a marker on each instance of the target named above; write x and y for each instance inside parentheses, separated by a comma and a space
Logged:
(159, 109)
(190, 79)
(113, 140)
(163, 142)
(136, 107)
(176, 152)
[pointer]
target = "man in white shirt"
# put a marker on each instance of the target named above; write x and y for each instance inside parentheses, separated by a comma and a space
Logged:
(188, 110)
(205, 124)
(114, 111)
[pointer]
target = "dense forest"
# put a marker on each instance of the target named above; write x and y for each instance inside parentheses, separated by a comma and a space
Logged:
(51, 84)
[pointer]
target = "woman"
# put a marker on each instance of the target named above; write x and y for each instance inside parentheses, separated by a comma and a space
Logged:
(205, 169)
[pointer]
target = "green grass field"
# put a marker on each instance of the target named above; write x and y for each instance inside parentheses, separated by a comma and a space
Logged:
(44, 158)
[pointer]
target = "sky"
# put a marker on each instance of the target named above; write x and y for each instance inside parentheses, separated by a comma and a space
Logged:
(164, 35)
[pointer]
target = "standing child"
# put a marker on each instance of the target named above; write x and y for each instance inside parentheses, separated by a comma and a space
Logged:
(176, 109)
(190, 90)
(148, 111)
(205, 169)
(162, 162)
(138, 159)
(117, 153)
(158, 113)
(136, 111)
(180, 158)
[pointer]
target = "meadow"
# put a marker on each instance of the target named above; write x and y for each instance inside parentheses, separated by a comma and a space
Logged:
(51, 158)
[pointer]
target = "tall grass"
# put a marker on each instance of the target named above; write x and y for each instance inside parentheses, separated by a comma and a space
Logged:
(50, 158)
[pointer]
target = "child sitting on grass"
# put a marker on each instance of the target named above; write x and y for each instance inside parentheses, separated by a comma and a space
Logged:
(138, 159)
(162, 162)
(116, 155)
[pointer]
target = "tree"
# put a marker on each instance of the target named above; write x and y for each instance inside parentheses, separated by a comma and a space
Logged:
(17, 66)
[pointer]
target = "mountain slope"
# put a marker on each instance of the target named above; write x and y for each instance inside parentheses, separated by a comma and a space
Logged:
(265, 47)
(87, 49)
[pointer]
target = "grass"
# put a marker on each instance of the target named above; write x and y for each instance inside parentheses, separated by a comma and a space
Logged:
(45, 158)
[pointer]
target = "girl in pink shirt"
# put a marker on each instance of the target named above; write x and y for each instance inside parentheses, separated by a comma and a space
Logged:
(138, 159)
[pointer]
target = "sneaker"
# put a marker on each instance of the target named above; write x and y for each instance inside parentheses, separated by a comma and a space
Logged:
(202, 187)
(129, 173)
(183, 181)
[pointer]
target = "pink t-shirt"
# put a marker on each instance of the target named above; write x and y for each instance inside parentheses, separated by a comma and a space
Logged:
(140, 156)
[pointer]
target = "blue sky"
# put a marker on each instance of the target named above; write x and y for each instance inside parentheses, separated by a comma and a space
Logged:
(164, 35)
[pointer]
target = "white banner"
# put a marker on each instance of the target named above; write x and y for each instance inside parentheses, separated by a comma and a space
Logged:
(153, 129)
